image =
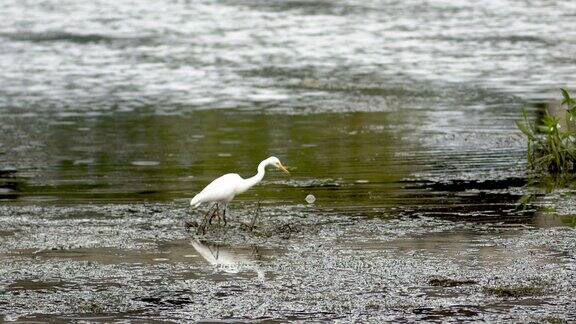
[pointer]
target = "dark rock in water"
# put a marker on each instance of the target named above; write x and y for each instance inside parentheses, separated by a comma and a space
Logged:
(447, 282)
(513, 291)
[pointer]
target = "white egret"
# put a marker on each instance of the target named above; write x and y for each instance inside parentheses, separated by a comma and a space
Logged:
(223, 189)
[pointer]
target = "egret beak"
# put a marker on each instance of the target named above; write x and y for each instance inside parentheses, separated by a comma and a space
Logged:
(283, 168)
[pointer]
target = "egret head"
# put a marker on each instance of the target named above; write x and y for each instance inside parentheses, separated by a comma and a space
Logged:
(275, 162)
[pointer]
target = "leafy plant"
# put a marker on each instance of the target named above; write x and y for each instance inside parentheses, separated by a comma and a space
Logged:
(551, 147)
(570, 103)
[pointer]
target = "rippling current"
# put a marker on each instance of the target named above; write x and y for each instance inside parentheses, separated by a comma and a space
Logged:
(385, 101)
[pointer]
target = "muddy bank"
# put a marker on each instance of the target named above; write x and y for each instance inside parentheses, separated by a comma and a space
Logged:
(137, 262)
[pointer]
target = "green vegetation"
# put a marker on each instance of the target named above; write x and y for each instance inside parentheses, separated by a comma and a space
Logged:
(551, 150)
(551, 143)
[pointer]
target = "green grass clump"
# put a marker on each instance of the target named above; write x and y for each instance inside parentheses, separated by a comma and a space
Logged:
(551, 146)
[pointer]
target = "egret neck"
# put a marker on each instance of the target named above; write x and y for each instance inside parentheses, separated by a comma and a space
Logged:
(252, 181)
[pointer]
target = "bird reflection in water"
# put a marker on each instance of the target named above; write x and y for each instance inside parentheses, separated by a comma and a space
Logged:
(228, 260)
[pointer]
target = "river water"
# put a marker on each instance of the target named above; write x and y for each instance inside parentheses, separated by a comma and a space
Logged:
(385, 111)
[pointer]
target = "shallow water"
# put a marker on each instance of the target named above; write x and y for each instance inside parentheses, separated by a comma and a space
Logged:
(398, 116)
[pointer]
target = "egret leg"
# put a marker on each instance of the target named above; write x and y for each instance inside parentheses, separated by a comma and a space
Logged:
(218, 218)
(221, 215)
(209, 213)
(204, 224)
(224, 214)
(254, 217)
(215, 213)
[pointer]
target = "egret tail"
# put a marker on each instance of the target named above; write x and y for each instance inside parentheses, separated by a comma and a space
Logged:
(196, 201)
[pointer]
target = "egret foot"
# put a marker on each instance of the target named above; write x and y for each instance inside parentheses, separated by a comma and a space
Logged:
(189, 224)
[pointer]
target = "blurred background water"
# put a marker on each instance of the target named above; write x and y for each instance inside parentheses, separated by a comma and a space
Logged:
(387, 102)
